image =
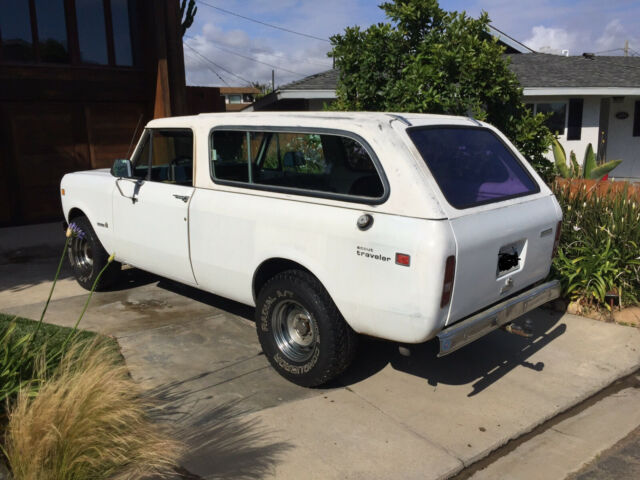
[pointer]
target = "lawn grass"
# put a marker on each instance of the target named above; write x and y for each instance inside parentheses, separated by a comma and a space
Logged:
(53, 335)
(30, 354)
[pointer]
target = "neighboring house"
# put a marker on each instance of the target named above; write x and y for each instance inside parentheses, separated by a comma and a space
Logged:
(593, 99)
(238, 98)
(76, 79)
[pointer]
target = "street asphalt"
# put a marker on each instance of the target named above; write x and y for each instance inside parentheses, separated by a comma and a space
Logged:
(389, 416)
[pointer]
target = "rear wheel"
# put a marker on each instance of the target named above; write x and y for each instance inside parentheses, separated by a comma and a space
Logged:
(301, 330)
(88, 257)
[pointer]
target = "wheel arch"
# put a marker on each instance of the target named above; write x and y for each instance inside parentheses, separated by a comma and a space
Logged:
(76, 212)
(271, 267)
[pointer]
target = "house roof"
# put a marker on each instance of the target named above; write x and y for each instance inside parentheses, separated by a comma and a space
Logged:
(556, 71)
(533, 70)
(319, 81)
(538, 73)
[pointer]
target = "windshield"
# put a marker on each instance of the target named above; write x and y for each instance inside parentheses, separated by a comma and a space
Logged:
(472, 166)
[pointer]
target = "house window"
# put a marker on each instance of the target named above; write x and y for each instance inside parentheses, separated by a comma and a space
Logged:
(15, 32)
(235, 98)
(52, 31)
(120, 14)
(557, 120)
(92, 32)
(45, 31)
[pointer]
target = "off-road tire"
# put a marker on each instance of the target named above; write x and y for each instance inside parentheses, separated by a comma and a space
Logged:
(87, 257)
(334, 342)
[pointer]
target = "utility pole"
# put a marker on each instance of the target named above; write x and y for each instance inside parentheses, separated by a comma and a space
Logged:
(273, 80)
(626, 48)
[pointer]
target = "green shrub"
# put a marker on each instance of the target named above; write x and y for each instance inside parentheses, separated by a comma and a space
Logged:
(599, 245)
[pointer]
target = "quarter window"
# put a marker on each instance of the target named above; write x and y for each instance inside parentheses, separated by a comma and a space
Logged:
(316, 162)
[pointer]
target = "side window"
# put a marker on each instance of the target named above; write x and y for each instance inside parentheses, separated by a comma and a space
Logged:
(171, 157)
(295, 160)
(232, 152)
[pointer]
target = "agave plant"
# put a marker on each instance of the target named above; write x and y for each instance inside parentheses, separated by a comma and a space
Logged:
(590, 170)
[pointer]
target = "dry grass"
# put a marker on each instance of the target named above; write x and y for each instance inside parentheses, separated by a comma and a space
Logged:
(87, 422)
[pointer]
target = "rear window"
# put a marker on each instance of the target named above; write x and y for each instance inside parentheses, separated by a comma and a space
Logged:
(472, 165)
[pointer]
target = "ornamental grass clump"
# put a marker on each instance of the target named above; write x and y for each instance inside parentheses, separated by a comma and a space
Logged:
(599, 252)
(88, 421)
(28, 355)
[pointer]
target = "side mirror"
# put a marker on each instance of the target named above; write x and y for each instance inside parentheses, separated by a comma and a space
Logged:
(122, 168)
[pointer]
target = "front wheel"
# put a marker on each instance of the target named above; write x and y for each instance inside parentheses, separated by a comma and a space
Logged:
(301, 331)
(88, 257)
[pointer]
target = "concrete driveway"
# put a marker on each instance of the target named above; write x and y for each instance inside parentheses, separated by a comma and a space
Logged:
(389, 416)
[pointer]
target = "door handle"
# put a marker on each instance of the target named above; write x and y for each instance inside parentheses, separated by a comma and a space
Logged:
(184, 198)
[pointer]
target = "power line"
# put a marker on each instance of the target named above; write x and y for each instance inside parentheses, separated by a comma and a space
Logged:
(215, 64)
(247, 52)
(607, 51)
(253, 59)
(209, 68)
(261, 22)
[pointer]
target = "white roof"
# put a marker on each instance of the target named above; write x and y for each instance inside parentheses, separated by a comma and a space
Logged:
(306, 119)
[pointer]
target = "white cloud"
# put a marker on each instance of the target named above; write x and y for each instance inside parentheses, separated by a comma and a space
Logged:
(614, 36)
(552, 40)
(223, 53)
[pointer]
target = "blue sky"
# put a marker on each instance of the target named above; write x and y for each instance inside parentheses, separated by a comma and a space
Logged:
(226, 40)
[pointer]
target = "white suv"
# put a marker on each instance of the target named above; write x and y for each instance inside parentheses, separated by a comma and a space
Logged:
(404, 227)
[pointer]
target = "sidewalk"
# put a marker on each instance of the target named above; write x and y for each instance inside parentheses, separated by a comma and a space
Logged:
(389, 416)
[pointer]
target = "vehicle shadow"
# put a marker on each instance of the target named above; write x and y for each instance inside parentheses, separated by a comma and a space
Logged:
(229, 306)
(132, 278)
(479, 364)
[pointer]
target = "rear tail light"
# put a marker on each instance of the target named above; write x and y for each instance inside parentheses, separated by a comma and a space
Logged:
(556, 242)
(447, 286)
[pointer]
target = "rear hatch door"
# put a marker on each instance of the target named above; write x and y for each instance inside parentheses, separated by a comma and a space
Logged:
(503, 222)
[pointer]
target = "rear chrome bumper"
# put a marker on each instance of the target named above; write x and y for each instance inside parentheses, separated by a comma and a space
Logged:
(462, 333)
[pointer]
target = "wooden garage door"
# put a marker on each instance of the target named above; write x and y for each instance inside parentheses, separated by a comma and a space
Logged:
(48, 140)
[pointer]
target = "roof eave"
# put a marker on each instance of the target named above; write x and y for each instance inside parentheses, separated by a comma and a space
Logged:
(580, 91)
(307, 94)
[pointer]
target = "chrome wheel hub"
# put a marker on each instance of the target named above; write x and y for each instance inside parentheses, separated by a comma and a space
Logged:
(294, 330)
(81, 253)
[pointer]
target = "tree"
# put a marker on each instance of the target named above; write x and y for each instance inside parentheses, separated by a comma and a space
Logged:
(265, 89)
(429, 60)
(187, 14)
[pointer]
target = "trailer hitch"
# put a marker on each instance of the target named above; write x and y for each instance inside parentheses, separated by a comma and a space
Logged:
(524, 331)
